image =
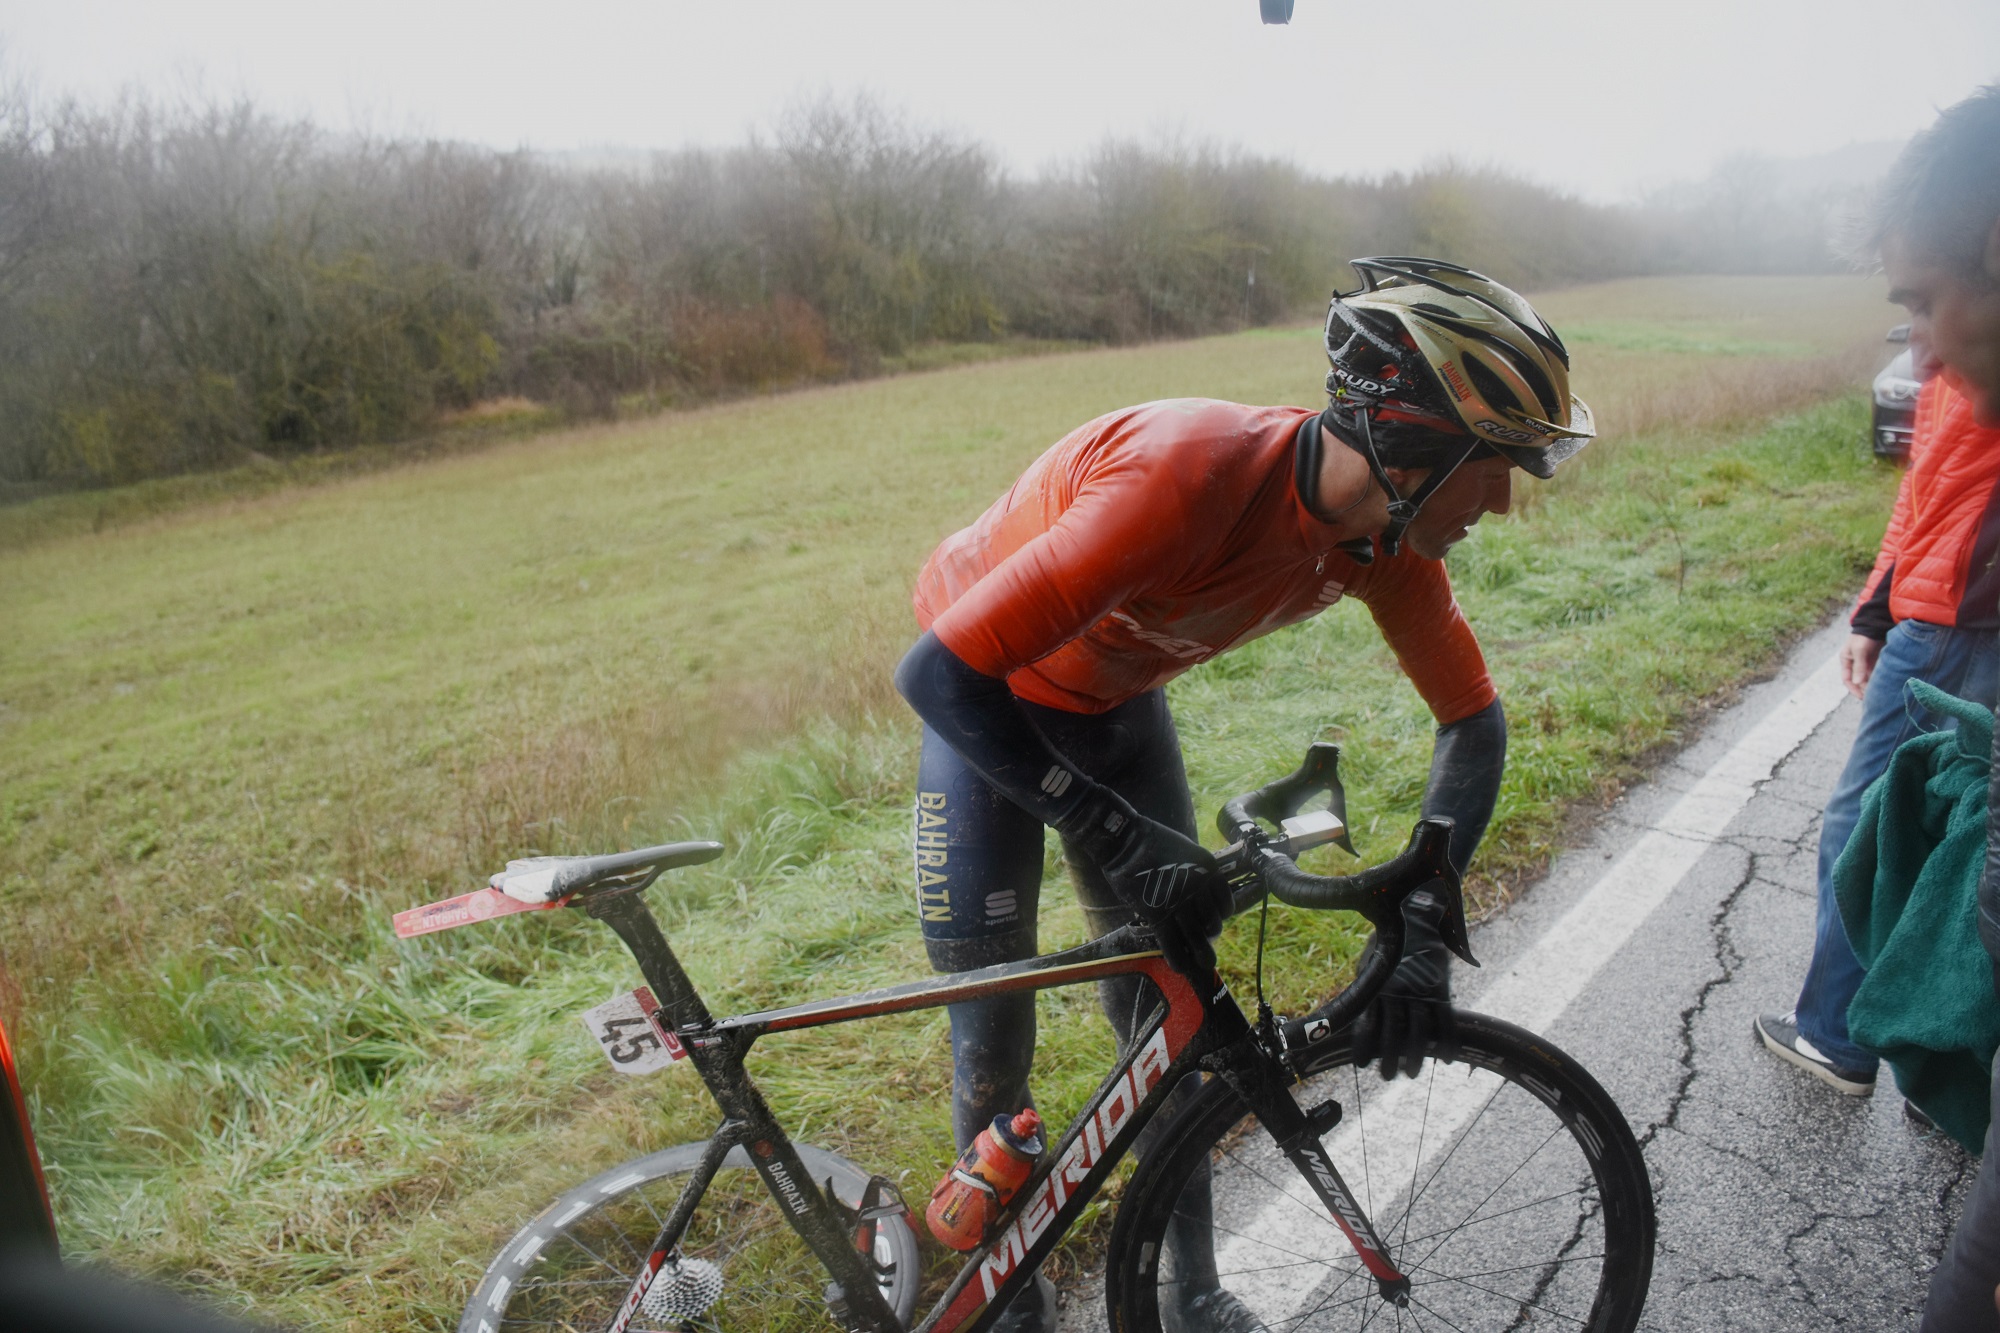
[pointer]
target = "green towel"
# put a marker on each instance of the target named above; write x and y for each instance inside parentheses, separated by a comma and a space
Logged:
(1908, 886)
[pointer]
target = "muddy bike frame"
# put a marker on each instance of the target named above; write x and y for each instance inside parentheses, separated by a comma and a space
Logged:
(1199, 1028)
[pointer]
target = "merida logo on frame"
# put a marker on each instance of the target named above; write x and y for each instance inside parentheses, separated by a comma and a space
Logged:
(1083, 1153)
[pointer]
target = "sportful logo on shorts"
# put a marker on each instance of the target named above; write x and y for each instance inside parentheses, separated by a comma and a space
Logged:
(1056, 781)
(1002, 905)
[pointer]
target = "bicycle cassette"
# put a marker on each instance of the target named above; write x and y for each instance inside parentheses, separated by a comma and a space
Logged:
(683, 1289)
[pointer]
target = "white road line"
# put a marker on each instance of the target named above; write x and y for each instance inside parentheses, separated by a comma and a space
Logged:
(1535, 988)
(1421, 1118)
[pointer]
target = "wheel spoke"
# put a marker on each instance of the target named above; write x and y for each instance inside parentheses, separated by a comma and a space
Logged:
(1464, 1135)
(1311, 1205)
(1495, 1222)
(1439, 1314)
(1505, 1180)
(1488, 1218)
(600, 1260)
(1497, 1272)
(772, 1280)
(1522, 1301)
(1417, 1158)
(1221, 1230)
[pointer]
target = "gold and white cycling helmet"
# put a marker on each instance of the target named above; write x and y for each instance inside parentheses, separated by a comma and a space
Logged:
(1425, 349)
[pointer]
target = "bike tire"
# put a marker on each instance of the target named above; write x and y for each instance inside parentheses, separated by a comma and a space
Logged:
(1505, 1181)
(571, 1267)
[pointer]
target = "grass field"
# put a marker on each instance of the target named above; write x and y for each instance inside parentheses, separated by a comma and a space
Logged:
(238, 734)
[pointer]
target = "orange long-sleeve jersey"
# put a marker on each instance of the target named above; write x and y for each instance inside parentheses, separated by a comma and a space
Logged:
(1155, 538)
(1940, 559)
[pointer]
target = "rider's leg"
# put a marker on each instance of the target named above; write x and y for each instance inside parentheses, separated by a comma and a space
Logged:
(1135, 751)
(978, 863)
(978, 860)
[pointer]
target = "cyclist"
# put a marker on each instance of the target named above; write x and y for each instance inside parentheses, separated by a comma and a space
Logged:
(1158, 537)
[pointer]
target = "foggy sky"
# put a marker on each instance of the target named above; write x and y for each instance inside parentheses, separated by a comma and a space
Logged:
(1602, 97)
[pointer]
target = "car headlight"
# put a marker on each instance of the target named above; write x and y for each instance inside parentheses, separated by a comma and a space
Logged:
(1897, 390)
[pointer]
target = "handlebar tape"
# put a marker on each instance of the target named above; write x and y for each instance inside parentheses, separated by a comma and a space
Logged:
(1376, 893)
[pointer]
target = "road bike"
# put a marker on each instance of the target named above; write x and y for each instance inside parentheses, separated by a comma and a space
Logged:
(1500, 1188)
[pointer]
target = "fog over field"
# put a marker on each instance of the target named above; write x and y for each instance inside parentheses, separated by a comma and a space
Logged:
(229, 234)
(1607, 100)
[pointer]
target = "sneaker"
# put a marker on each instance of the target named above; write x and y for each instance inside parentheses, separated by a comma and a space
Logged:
(1781, 1036)
(1033, 1311)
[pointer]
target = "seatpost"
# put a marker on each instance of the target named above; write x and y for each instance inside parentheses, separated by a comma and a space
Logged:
(627, 914)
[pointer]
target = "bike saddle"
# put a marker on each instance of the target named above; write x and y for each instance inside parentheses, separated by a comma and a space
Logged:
(543, 879)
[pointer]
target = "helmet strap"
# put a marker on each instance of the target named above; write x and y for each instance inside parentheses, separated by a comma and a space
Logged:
(1403, 509)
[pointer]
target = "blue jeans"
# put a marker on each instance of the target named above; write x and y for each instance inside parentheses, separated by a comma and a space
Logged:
(1961, 662)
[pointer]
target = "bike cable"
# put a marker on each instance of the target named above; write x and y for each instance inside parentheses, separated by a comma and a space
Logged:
(1267, 1024)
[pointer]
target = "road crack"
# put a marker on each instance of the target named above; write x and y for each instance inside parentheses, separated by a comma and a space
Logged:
(1727, 960)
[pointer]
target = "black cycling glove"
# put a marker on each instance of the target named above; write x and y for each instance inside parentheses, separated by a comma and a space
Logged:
(1413, 1013)
(1414, 1009)
(1167, 878)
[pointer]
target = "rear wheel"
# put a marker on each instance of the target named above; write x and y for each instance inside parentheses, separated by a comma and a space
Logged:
(742, 1269)
(1505, 1182)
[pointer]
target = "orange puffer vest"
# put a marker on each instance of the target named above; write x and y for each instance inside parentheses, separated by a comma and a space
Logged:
(1937, 561)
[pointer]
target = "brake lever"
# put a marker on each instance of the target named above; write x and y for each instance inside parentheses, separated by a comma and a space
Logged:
(1433, 840)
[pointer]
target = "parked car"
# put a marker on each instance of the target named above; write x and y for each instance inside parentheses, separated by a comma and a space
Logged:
(1894, 419)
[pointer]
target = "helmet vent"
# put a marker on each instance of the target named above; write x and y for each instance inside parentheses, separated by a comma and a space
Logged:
(1495, 390)
(1491, 387)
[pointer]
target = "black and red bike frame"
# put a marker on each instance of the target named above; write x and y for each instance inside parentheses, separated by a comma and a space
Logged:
(1192, 1032)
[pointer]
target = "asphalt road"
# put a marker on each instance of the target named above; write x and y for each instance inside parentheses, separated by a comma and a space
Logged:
(1782, 1204)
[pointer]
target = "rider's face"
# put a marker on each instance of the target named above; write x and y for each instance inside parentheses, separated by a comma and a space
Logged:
(1480, 486)
(1954, 317)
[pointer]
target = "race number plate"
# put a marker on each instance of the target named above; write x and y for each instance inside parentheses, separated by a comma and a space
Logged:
(632, 1034)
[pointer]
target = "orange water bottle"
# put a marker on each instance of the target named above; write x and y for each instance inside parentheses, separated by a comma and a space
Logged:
(985, 1179)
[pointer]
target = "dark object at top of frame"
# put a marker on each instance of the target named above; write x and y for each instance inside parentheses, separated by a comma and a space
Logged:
(1276, 11)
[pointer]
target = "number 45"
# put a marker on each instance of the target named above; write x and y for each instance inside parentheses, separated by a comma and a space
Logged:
(631, 1040)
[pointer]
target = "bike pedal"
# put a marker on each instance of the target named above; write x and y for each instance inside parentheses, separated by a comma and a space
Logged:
(1323, 1117)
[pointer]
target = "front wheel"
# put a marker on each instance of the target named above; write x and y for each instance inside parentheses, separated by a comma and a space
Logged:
(1505, 1182)
(741, 1269)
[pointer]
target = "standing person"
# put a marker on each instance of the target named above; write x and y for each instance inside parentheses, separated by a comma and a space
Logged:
(1928, 612)
(1937, 228)
(1158, 537)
